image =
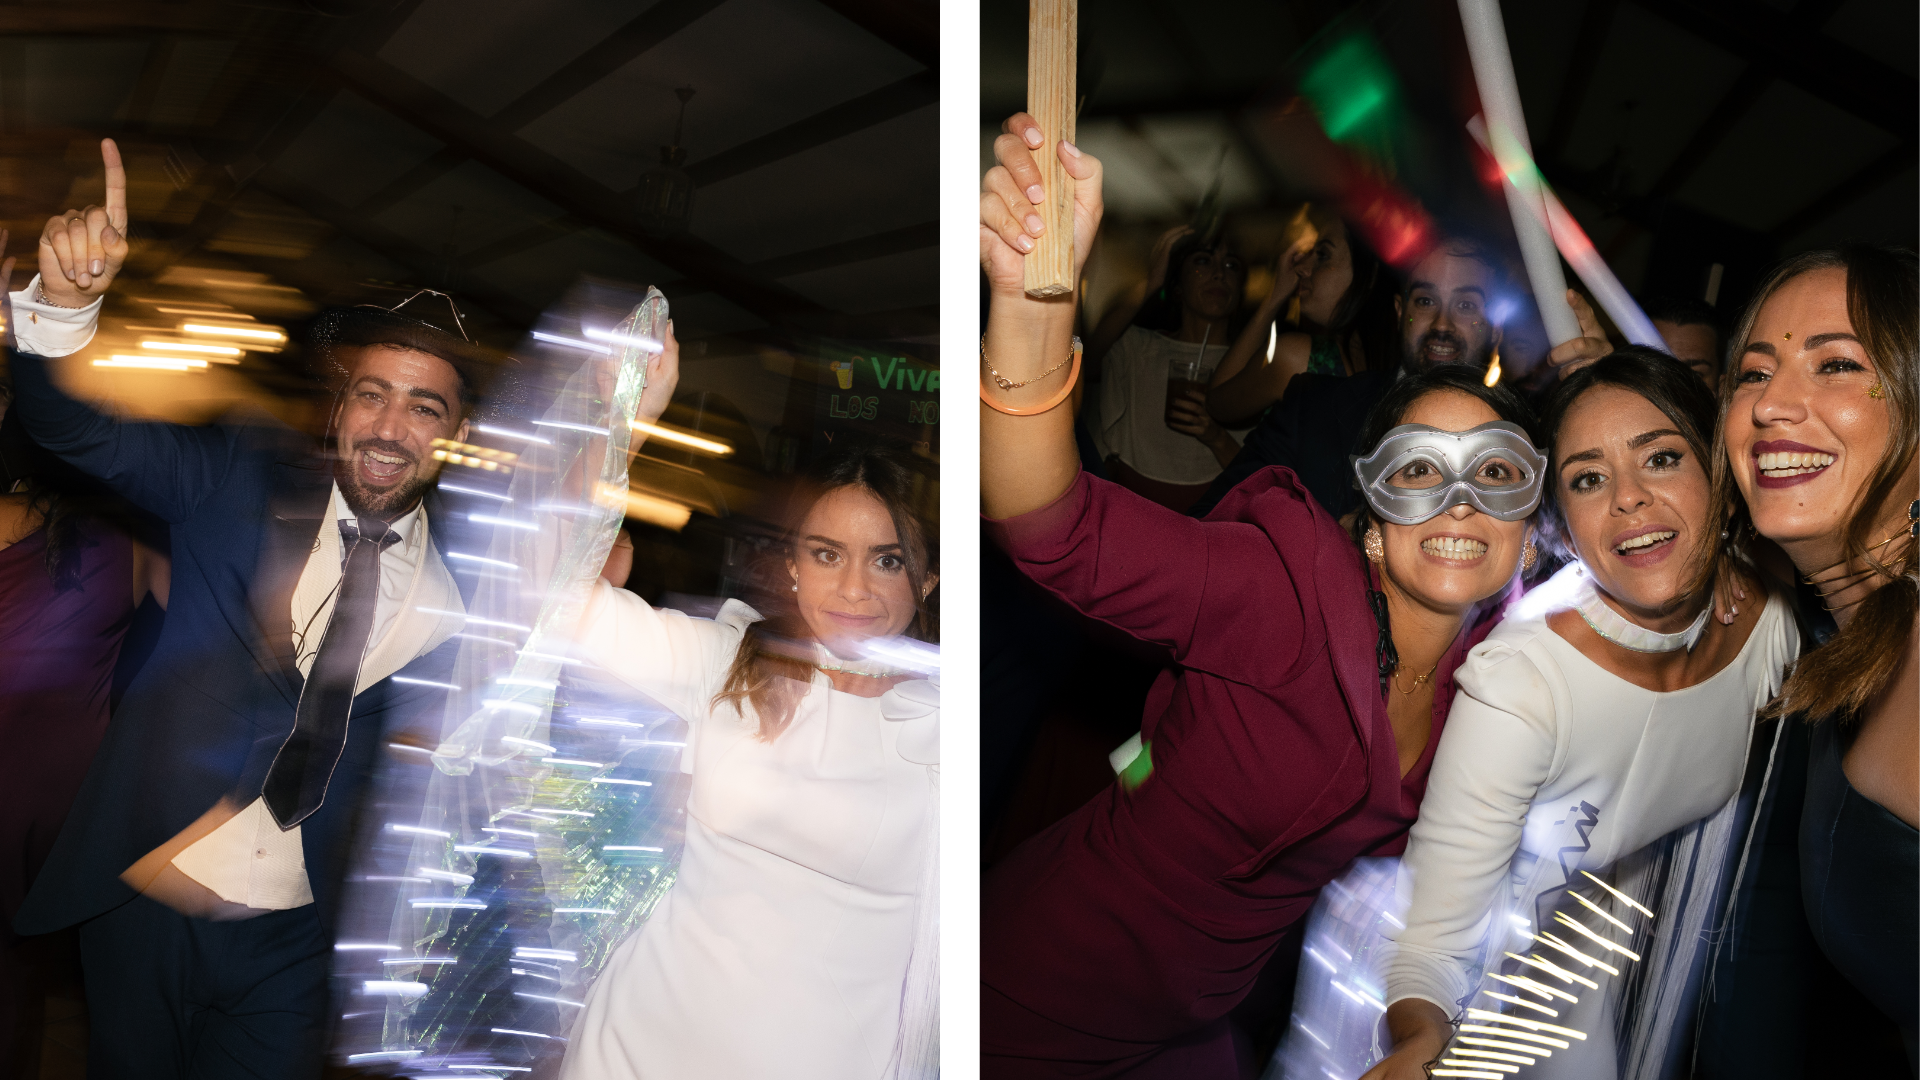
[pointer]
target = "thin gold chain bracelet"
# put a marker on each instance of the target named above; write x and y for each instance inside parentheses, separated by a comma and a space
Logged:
(1007, 384)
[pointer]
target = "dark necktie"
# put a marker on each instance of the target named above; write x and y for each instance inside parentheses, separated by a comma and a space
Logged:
(297, 780)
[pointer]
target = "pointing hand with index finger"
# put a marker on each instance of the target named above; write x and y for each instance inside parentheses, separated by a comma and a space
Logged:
(81, 251)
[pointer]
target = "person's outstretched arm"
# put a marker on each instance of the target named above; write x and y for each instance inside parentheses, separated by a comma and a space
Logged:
(164, 469)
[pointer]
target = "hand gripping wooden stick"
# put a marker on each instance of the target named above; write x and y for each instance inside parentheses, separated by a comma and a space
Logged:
(1053, 28)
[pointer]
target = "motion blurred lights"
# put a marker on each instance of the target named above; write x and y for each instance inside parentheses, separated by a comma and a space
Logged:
(249, 333)
(644, 344)
(474, 457)
(657, 511)
(693, 442)
(1350, 86)
(152, 363)
(220, 354)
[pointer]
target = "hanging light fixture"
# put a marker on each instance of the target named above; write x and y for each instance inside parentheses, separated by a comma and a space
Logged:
(666, 191)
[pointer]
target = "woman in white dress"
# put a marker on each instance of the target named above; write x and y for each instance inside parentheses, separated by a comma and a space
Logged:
(1602, 732)
(805, 891)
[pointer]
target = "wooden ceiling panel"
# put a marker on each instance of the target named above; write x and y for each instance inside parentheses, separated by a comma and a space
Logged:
(468, 207)
(757, 66)
(486, 53)
(353, 148)
(1756, 178)
(884, 284)
(883, 178)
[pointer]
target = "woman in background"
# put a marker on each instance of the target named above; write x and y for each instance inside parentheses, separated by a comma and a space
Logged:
(1347, 324)
(1156, 438)
(71, 576)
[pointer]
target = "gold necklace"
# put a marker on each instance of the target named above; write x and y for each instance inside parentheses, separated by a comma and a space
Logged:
(1417, 680)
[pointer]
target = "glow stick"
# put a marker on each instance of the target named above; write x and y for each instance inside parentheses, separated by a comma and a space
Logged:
(1572, 242)
(1500, 98)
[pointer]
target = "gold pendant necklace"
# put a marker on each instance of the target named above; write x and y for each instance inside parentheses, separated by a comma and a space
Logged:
(1417, 680)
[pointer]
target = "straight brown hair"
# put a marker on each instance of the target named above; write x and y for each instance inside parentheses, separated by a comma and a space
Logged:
(1842, 677)
(773, 668)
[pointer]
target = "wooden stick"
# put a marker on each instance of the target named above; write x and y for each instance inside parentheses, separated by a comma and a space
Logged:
(1053, 28)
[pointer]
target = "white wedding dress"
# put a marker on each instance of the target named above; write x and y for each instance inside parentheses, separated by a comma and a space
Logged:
(782, 949)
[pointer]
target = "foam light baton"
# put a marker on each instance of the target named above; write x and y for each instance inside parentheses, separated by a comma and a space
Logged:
(1500, 100)
(1572, 242)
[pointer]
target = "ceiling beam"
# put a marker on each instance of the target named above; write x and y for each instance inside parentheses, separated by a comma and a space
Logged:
(896, 99)
(1855, 187)
(120, 18)
(651, 27)
(912, 27)
(1594, 26)
(554, 180)
(1733, 105)
(877, 246)
(432, 269)
(1783, 45)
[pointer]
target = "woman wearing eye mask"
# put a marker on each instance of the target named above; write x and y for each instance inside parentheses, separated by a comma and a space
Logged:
(1819, 425)
(1601, 734)
(1313, 668)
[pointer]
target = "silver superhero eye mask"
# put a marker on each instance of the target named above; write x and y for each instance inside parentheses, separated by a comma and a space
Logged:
(1418, 472)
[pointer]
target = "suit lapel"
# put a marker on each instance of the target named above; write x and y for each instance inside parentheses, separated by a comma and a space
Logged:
(296, 507)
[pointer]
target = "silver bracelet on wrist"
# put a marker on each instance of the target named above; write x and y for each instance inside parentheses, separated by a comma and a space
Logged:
(41, 297)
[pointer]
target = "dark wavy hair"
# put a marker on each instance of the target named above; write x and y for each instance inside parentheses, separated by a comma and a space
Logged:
(1843, 676)
(1400, 398)
(774, 665)
(59, 496)
(1668, 385)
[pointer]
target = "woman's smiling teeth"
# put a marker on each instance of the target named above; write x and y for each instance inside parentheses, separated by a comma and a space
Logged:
(1453, 547)
(1642, 542)
(382, 466)
(1780, 466)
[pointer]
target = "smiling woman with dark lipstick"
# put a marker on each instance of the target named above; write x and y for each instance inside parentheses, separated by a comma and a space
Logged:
(1611, 690)
(1819, 426)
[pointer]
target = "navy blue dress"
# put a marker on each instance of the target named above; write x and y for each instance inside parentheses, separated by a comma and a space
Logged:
(1860, 881)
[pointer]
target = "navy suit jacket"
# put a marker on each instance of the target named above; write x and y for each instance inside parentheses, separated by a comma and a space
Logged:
(211, 707)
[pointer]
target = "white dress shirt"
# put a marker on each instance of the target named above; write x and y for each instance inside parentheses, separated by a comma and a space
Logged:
(249, 860)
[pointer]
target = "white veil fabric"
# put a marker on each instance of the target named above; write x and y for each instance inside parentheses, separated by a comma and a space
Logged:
(1549, 999)
(510, 848)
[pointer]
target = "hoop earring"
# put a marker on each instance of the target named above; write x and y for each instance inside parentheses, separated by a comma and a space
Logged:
(1529, 554)
(1375, 547)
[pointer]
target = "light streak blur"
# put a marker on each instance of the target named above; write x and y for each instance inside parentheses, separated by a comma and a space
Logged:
(464, 557)
(444, 486)
(1504, 1045)
(509, 433)
(1556, 970)
(1622, 897)
(247, 332)
(1531, 1025)
(681, 438)
(1569, 921)
(394, 988)
(571, 343)
(1552, 941)
(644, 344)
(152, 363)
(1507, 1033)
(622, 780)
(194, 347)
(1495, 1055)
(1595, 908)
(529, 743)
(489, 519)
(420, 830)
(1522, 1002)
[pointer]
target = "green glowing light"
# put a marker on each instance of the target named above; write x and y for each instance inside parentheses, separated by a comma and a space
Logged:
(1352, 87)
(1138, 769)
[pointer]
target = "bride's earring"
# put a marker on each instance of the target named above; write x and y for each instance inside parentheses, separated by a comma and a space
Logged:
(1376, 547)
(1529, 554)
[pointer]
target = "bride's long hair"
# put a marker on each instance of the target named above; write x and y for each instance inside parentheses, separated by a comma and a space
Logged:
(774, 666)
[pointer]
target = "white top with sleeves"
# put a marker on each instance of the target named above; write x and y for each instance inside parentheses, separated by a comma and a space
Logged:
(783, 945)
(1129, 417)
(1544, 752)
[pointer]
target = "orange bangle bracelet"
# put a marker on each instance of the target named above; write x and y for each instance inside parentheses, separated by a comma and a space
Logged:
(1073, 376)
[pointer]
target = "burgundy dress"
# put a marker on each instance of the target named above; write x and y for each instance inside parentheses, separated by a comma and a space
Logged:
(1114, 943)
(57, 651)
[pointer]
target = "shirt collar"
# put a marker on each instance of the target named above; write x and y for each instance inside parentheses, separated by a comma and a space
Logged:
(407, 524)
